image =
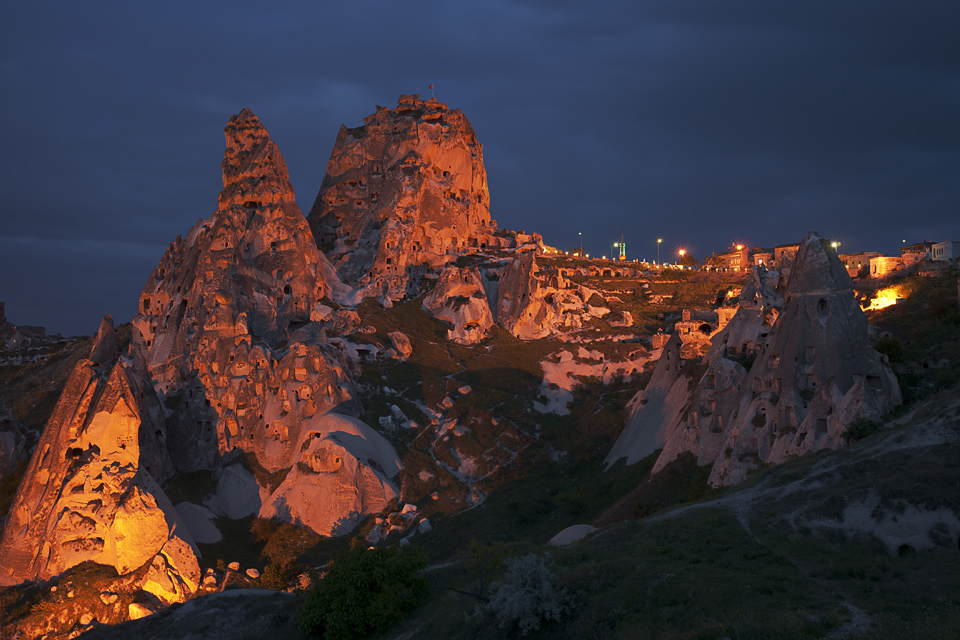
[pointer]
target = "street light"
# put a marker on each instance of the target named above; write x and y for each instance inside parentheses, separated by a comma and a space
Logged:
(581, 244)
(659, 240)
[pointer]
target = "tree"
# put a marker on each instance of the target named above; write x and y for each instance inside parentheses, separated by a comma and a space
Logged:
(527, 597)
(364, 591)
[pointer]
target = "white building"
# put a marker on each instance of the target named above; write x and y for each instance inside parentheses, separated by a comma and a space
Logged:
(949, 250)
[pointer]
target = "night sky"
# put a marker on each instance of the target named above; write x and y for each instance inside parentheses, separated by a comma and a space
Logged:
(700, 122)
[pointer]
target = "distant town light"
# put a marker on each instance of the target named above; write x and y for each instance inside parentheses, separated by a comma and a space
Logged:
(739, 247)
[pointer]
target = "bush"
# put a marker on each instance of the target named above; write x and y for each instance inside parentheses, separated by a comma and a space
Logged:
(484, 563)
(528, 596)
(861, 428)
(891, 348)
(364, 591)
(284, 543)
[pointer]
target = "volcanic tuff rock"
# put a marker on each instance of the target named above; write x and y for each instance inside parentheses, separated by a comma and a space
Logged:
(403, 194)
(533, 305)
(460, 300)
(227, 329)
(88, 493)
(333, 485)
(813, 373)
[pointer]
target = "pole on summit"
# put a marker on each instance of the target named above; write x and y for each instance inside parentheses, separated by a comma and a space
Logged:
(431, 92)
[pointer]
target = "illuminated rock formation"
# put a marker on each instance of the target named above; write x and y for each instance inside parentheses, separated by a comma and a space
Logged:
(460, 300)
(333, 485)
(533, 305)
(812, 372)
(233, 330)
(403, 194)
(87, 494)
(174, 574)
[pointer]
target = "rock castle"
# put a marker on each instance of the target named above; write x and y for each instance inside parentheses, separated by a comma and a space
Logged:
(244, 359)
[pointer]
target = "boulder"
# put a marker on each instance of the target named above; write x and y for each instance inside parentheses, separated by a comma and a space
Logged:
(459, 300)
(199, 521)
(238, 493)
(174, 574)
(137, 610)
(401, 344)
(343, 474)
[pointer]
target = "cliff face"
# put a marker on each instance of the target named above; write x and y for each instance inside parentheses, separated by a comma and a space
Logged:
(233, 333)
(813, 372)
(88, 493)
(251, 269)
(404, 193)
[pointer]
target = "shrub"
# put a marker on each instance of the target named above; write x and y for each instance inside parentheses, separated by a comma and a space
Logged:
(484, 563)
(364, 591)
(528, 596)
(283, 545)
(891, 348)
(861, 428)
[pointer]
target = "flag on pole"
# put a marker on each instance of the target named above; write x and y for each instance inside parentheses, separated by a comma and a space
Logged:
(431, 87)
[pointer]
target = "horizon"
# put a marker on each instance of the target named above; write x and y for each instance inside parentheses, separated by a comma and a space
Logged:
(701, 125)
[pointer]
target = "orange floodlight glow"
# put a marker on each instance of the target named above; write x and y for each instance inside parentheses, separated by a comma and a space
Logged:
(885, 298)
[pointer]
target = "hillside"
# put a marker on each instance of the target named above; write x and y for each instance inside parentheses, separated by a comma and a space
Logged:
(370, 389)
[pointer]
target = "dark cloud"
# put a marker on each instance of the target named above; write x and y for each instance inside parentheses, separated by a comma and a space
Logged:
(696, 121)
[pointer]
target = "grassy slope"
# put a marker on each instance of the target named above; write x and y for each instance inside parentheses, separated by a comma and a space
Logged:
(698, 572)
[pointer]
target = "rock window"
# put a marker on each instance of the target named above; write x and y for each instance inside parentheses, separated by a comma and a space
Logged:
(810, 354)
(287, 290)
(705, 329)
(821, 427)
(822, 305)
(146, 304)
